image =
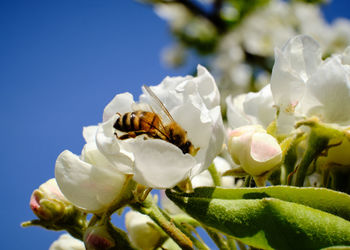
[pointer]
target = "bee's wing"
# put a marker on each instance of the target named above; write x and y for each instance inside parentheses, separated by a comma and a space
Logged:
(158, 107)
(141, 106)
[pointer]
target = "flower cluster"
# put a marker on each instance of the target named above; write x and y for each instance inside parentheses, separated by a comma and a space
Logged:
(294, 131)
(242, 55)
(93, 180)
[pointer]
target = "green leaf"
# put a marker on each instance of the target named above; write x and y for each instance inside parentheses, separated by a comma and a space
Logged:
(324, 199)
(267, 223)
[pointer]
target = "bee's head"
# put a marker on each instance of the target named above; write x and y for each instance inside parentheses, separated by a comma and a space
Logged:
(188, 147)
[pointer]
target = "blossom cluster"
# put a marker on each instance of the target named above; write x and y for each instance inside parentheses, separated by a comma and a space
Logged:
(242, 55)
(267, 137)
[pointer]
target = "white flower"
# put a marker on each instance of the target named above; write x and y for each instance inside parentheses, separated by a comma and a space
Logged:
(90, 181)
(169, 206)
(313, 180)
(176, 14)
(267, 28)
(303, 85)
(205, 179)
(251, 108)
(310, 22)
(193, 102)
(174, 55)
(65, 242)
(142, 230)
(254, 150)
(340, 38)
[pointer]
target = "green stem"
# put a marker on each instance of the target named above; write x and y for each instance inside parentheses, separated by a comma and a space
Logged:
(247, 181)
(241, 245)
(125, 198)
(217, 238)
(148, 207)
(316, 145)
(214, 175)
(231, 243)
(197, 243)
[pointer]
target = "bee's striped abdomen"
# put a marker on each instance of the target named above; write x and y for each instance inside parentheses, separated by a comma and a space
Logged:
(137, 121)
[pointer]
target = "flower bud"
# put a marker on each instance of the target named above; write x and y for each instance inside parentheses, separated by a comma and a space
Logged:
(98, 237)
(47, 202)
(65, 241)
(256, 151)
(143, 233)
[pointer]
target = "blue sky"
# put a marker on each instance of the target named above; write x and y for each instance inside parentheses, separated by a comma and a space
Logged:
(61, 62)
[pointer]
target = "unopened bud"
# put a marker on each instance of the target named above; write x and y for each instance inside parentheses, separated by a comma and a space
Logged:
(47, 202)
(97, 238)
(142, 231)
(254, 150)
(105, 236)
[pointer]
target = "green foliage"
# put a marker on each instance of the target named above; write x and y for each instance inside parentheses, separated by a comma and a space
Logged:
(244, 7)
(270, 223)
(324, 199)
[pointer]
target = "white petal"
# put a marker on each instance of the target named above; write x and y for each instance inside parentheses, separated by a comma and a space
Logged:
(287, 86)
(203, 179)
(121, 103)
(159, 164)
(207, 87)
(260, 105)
(346, 56)
(221, 164)
(89, 187)
(265, 153)
(50, 190)
(166, 92)
(110, 147)
(65, 241)
(297, 61)
(264, 147)
(141, 233)
(195, 121)
(285, 123)
(89, 133)
(235, 112)
(304, 55)
(328, 92)
(168, 205)
(215, 144)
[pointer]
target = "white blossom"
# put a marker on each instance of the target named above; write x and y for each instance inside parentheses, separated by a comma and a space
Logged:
(251, 108)
(205, 179)
(193, 102)
(89, 181)
(176, 14)
(267, 28)
(303, 85)
(142, 230)
(65, 242)
(174, 55)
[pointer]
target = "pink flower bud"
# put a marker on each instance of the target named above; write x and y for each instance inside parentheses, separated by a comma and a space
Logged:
(254, 150)
(98, 238)
(47, 202)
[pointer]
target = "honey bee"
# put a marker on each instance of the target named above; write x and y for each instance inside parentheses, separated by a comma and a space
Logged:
(160, 125)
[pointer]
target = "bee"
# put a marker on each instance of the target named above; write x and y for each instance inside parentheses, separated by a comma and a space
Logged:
(160, 125)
